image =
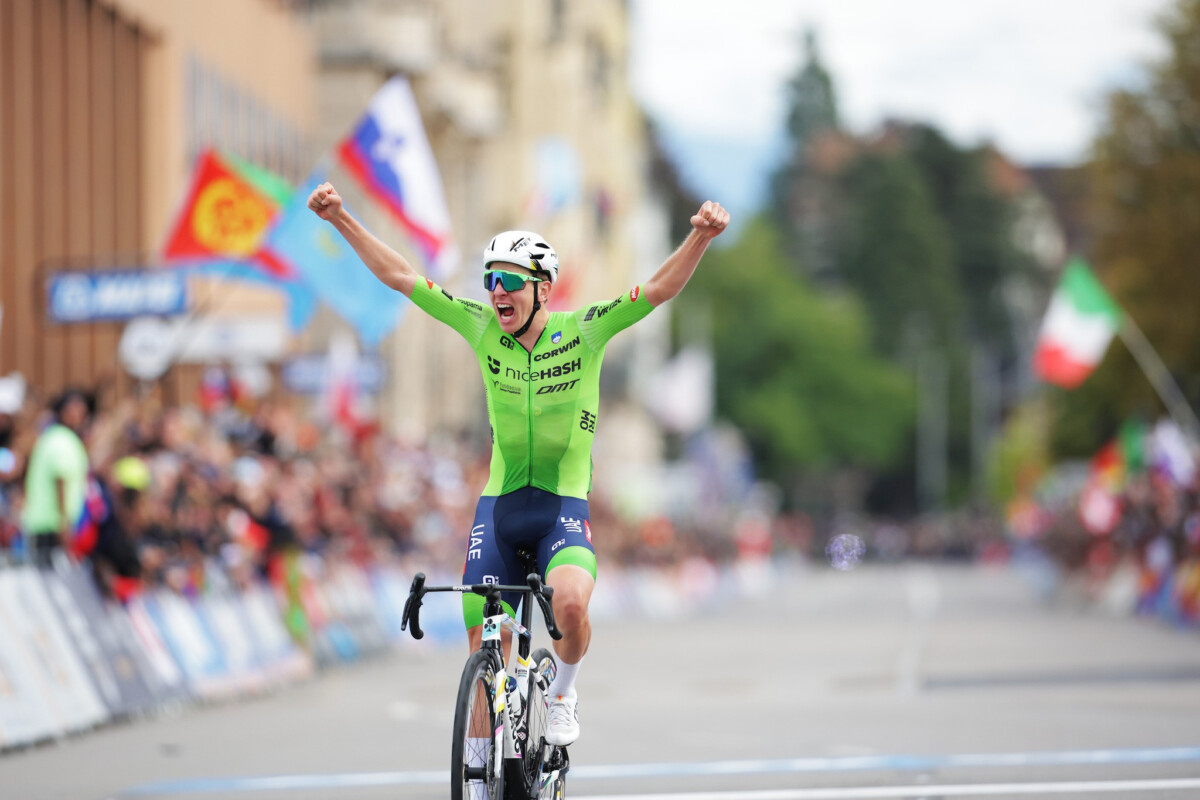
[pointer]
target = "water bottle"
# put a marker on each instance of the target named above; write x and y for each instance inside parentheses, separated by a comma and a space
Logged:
(513, 694)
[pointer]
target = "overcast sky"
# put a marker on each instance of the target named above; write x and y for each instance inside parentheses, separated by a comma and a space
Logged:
(1027, 75)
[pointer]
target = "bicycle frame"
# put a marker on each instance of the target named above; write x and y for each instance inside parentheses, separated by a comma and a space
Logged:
(509, 739)
(495, 622)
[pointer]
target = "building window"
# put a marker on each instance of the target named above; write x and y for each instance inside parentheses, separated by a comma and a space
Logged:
(558, 21)
(225, 116)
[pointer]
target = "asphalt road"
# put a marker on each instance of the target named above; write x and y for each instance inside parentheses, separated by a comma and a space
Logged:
(911, 681)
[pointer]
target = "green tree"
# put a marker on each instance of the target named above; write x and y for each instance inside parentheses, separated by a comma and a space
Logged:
(893, 251)
(800, 189)
(795, 369)
(978, 222)
(1145, 178)
(812, 106)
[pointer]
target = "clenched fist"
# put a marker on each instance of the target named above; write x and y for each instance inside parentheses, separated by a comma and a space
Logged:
(710, 220)
(325, 202)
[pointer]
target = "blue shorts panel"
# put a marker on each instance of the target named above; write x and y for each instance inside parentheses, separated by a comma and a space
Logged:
(528, 519)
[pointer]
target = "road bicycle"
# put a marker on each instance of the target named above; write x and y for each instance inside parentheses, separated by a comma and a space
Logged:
(499, 750)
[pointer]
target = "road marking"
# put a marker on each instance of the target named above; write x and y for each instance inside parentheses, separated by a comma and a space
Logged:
(893, 763)
(901, 763)
(929, 790)
(346, 780)
(923, 596)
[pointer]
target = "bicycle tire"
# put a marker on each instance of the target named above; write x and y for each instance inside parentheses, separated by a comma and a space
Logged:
(541, 674)
(474, 732)
(544, 668)
(544, 664)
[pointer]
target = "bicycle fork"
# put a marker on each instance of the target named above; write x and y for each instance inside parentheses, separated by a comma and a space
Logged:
(504, 741)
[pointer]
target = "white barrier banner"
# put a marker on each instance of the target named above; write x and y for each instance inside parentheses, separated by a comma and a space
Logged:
(85, 641)
(199, 653)
(73, 699)
(121, 658)
(390, 593)
(163, 664)
(225, 620)
(283, 658)
(25, 714)
(355, 603)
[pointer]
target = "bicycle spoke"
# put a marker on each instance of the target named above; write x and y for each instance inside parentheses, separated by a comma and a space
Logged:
(473, 759)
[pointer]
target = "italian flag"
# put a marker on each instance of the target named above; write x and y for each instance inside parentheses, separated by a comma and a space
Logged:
(1079, 324)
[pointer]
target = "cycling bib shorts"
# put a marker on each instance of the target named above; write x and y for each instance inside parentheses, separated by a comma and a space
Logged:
(551, 528)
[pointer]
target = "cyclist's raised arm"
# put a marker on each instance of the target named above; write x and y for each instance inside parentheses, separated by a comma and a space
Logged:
(677, 270)
(389, 266)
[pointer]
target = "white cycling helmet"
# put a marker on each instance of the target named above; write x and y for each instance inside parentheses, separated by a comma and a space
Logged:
(525, 249)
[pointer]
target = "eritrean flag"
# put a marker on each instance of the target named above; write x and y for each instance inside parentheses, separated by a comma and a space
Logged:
(1078, 327)
(222, 214)
(228, 212)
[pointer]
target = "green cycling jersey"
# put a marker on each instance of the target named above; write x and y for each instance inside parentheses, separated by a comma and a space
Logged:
(543, 404)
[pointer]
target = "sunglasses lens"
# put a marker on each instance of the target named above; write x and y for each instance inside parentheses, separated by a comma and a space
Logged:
(511, 281)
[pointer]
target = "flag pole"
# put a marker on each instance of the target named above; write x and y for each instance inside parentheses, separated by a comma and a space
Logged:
(1160, 378)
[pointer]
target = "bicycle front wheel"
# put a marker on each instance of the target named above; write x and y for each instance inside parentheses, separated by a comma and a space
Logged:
(473, 773)
(540, 675)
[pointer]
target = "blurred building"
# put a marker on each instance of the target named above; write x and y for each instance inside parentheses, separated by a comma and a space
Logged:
(103, 106)
(531, 119)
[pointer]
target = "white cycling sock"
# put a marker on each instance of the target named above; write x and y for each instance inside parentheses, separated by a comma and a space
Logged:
(564, 680)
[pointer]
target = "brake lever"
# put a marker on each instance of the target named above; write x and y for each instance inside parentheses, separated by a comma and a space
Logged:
(412, 607)
(545, 598)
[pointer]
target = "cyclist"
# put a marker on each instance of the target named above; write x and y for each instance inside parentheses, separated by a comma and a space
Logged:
(541, 381)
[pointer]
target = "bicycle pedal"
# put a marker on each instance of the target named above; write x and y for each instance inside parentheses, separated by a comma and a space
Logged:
(559, 760)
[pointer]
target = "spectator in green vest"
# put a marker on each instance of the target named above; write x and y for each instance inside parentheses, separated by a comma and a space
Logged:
(56, 478)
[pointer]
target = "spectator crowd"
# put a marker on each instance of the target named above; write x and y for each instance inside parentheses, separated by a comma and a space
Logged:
(251, 488)
(237, 489)
(1124, 529)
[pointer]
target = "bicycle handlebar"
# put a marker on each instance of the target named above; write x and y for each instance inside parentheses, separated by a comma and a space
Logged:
(534, 586)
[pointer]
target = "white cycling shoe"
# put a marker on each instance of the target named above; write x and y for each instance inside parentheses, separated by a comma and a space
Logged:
(562, 719)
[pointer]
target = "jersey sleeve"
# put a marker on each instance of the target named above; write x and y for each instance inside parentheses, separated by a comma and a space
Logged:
(601, 322)
(467, 317)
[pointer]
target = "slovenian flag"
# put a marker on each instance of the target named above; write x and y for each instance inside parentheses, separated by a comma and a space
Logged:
(1078, 327)
(388, 154)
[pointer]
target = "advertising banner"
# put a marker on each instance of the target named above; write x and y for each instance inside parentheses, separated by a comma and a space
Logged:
(63, 677)
(115, 295)
(25, 714)
(189, 638)
(168, 679)
(114, 667)
(284, 660)
(311, 374)
(224, 618)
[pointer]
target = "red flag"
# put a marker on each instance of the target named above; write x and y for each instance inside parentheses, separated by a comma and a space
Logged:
(224, 215)
(1100, 501)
